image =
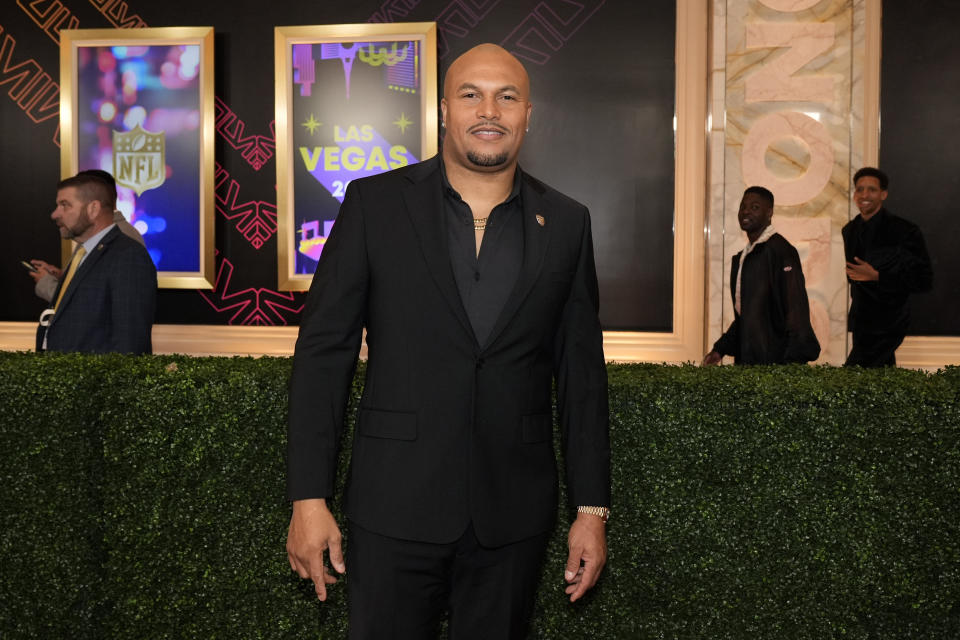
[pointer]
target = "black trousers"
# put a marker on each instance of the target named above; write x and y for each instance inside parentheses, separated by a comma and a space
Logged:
(399, 589)
(874, 349)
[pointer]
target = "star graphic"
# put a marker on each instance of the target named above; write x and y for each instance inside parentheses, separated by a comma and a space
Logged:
(311, 124)
(402, 122)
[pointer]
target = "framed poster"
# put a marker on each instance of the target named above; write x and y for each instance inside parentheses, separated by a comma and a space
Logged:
(139, 104)
(352, 100)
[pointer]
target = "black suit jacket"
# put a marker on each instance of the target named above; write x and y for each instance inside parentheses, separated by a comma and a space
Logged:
(110, 303)
(449, 432)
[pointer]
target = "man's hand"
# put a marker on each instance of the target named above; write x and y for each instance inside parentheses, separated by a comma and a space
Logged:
(587, 542)
(313, 530)
(860, 271)
(712, 358)
(44, 269)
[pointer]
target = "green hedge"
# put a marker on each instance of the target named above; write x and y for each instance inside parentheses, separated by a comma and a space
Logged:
(50, 526)
(144, 498)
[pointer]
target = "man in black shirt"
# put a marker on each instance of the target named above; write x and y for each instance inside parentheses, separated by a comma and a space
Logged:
(771, 314)
(886, 261)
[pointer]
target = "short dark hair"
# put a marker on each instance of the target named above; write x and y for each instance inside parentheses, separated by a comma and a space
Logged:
(764, 193)
(90, 188)
(872, 172)
(106, 177)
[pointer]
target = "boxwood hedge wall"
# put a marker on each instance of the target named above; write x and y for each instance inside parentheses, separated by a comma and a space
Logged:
(144, 498)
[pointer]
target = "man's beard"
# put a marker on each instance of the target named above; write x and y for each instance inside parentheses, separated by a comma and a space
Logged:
(83, 223)
(486, 160)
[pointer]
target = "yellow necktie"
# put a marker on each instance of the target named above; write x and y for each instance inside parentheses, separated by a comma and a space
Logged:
(72, 269)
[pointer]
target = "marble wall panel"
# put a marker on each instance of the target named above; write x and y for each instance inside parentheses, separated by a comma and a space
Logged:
(783, 114)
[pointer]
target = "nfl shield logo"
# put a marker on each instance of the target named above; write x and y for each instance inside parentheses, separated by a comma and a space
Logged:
(139, 159)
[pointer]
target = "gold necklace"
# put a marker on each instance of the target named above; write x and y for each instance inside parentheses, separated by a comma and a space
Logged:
(479, 224)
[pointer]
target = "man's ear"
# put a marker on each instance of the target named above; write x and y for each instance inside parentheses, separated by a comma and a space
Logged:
(96, 209)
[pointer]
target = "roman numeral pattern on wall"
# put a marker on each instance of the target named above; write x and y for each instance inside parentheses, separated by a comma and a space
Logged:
(253, 305)
(255, 219)
(29, 85)
(548, 27)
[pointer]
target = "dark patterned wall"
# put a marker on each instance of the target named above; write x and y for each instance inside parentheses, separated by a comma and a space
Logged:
(602, 76)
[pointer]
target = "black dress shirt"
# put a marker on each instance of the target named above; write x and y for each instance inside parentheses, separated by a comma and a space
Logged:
(485, 280)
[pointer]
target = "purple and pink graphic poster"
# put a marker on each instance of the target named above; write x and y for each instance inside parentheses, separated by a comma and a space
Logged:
(356, 112)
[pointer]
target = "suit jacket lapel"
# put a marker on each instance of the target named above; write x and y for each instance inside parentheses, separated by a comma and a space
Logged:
(424, 202)
(536, 239)
(92, 258)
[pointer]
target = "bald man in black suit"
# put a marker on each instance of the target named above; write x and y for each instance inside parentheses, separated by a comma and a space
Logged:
(477, 288)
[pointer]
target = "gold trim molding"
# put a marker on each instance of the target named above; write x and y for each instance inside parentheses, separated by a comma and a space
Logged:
(71, 41)
(917, 352)
(685, 342)
(284, 39)
(871, 82)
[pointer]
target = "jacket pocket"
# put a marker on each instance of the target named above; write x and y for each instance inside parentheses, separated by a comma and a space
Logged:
(394, 425)
(536, 428)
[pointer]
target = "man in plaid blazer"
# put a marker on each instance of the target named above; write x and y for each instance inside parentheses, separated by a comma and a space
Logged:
(107, 297)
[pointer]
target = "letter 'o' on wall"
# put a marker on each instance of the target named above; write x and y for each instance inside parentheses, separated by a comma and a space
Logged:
(798, 127)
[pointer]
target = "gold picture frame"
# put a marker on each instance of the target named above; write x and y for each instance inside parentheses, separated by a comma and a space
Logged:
(351, 100)
(140, 104)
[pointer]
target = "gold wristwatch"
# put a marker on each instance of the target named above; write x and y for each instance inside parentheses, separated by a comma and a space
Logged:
(602, 512)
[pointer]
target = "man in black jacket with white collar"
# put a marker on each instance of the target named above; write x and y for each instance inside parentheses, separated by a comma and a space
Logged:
(771, 313)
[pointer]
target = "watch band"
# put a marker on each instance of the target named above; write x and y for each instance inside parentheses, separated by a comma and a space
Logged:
(602, 512)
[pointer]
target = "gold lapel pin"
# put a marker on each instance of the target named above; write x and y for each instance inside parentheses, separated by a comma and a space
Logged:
(541, 220)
